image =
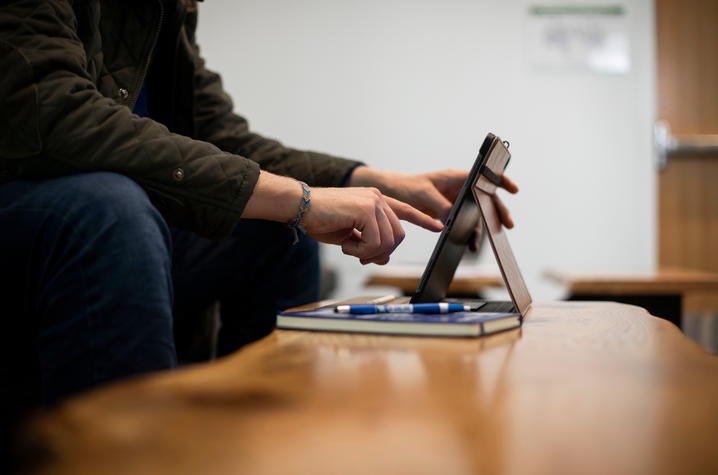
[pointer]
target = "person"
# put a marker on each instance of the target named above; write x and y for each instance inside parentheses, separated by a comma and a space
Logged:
(132, 196)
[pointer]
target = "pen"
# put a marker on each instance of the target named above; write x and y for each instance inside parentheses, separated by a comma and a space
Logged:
(441, 307)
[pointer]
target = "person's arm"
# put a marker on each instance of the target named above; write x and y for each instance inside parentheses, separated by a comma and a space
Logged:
(362, 221)
(54, 122)
(432, 193)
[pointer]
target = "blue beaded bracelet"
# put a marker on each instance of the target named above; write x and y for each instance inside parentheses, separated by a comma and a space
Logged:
(303, 207)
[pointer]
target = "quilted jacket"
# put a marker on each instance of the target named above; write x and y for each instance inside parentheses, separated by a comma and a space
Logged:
(70, 73)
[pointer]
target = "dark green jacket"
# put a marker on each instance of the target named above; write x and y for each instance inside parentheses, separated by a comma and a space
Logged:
(70, 73)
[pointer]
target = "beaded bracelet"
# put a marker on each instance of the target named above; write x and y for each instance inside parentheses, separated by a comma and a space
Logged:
(303, 207)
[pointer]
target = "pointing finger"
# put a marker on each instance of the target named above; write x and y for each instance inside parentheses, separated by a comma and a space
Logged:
(408, 213)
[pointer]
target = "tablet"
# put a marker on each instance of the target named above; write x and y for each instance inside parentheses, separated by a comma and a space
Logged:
(463, 221)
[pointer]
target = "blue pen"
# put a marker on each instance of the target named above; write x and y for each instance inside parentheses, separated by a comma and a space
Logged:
(406, 308)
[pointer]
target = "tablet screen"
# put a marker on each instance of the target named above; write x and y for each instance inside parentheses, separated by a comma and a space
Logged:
(460, 227)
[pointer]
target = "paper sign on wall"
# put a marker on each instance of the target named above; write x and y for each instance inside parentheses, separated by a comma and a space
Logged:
(579, 37)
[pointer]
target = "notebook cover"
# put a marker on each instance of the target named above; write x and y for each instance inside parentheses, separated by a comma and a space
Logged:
(462, 324)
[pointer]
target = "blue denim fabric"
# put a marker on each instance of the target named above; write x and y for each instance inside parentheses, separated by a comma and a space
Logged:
(253, 273)
(88, 273)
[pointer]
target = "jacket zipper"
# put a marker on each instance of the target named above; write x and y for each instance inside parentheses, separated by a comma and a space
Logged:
(143, 73)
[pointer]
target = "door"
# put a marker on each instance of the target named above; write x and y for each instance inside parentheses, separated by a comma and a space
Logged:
(687, 87)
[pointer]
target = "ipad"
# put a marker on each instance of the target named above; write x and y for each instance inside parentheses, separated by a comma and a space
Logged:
(463, 221)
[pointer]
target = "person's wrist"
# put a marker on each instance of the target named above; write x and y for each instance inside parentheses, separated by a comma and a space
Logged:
(362, 175)
(274, 198)
(389, 183)
(296, 223)
(347, 177)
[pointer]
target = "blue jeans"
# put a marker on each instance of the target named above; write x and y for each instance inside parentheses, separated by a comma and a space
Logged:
(95, 285)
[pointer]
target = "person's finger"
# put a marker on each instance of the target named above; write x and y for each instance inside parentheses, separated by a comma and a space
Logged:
(398, 234)
(476, 237)
(386, 232)
(408, 213)
(503, 211)
(378, 261)
(337, 237)
(508, 184)
(473, 247)
(370, 238)
(392, 234)
(353, 247)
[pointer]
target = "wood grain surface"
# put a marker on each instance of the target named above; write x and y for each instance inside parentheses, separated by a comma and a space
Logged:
(583, 387)
(460, 285)
(687, 99)
(665, 281)
(687, 71)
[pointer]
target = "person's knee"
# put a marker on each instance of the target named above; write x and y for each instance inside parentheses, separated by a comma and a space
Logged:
(104, 226)
(106, 202)
(116, 198)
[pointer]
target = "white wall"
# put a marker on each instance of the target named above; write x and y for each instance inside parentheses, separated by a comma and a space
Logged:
(414, 85)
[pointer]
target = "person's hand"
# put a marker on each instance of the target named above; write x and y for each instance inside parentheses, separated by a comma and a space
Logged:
(433, 193)
(504, 215)
(501, 209)
(362, 221)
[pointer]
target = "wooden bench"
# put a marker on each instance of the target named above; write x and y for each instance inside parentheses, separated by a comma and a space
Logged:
(468, 281)
(582, 387)
(661, 292)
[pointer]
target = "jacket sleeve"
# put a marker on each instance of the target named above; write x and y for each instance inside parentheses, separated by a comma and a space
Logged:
(55, 122)
(216, 122)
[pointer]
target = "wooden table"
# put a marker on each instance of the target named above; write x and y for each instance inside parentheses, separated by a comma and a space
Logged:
(467, 282)
(583, 387)
(661, 292)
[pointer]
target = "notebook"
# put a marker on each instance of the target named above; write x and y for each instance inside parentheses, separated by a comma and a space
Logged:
(473, 209)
